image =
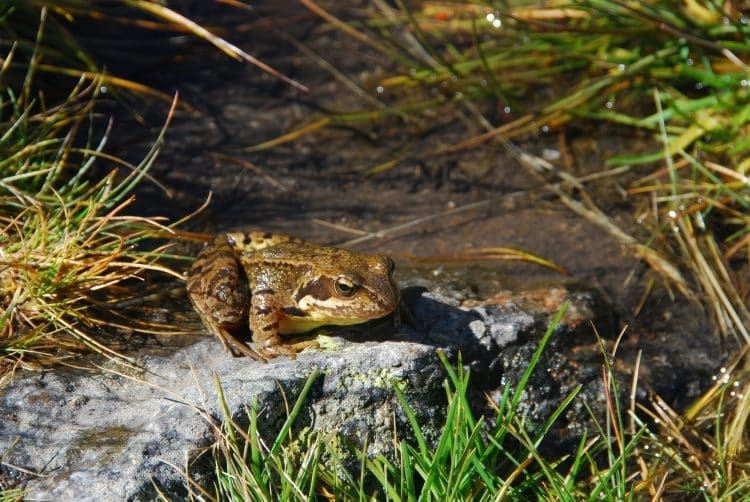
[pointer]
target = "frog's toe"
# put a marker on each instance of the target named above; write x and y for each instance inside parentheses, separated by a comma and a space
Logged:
(236, 347)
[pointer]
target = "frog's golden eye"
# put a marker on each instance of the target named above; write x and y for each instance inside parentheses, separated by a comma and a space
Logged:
(344, 286)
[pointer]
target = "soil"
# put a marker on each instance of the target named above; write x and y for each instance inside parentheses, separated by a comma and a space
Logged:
(318, 187)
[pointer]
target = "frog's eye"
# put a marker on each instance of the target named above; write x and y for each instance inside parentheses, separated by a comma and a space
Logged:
(344, 286)
(391, 265)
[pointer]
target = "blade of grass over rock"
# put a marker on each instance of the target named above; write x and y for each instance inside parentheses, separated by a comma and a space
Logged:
(421, 442)
(334, 119)
(535, 359)
(491, 254)
(286, 428)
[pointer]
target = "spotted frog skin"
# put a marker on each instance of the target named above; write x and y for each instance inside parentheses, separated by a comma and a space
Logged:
(283, 285)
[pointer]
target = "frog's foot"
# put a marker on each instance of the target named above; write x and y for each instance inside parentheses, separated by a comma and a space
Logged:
(287, 349)
(236, 347)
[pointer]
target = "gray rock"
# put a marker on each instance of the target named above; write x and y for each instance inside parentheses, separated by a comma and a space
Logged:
(114, 436)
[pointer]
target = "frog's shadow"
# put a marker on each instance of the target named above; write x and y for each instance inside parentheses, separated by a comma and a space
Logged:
(423, 320)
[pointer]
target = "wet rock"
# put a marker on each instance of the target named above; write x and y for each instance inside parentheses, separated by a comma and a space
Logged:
(112, 436)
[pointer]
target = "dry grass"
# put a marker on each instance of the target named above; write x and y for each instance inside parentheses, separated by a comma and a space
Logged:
(702, 453)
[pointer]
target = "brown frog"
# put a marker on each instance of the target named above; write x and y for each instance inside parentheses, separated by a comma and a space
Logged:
(283, 285)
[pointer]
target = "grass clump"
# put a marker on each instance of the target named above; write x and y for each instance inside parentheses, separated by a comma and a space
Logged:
(464, 464)
(635, 451)
(703, 452)
(66, 245)
(543, 65)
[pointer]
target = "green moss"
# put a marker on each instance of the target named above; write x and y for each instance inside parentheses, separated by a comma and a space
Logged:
(381, 378)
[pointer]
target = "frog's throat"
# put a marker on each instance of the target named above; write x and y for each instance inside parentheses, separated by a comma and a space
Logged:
(292, 326)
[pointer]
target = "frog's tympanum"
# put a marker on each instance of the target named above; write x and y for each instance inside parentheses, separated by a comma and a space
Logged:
(283, 285)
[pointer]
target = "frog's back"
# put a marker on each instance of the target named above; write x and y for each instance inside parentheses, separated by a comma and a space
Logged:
(247, 242)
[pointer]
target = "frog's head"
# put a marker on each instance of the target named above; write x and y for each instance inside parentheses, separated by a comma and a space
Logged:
(345, 288)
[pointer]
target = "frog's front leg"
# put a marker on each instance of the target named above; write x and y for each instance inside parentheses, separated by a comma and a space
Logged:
(218, 289)
(264, 323)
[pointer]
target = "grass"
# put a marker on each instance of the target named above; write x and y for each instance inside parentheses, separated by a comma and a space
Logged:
(68, 250)
(676, 74)
(464, 464)
(12, 495)
(635, 451)
(703, 452)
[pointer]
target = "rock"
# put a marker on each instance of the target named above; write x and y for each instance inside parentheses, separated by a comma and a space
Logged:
(114, 436)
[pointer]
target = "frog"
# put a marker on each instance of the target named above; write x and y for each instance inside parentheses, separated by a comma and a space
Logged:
(282, 285)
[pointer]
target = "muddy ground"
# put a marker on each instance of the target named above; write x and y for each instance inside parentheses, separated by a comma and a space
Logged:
(308, 186)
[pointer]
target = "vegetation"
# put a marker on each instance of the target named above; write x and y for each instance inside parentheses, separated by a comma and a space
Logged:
(69, 253)
(497, 459)
(67, 246)
(675, 73)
